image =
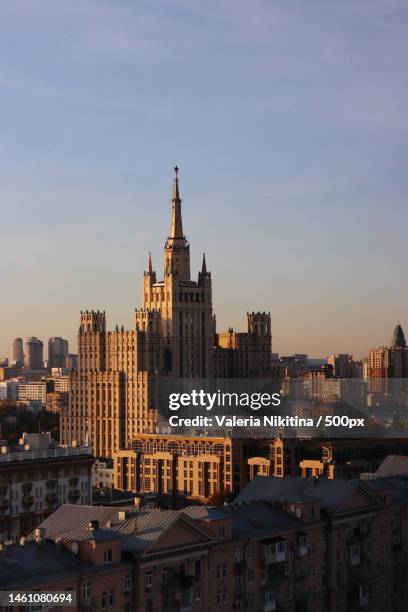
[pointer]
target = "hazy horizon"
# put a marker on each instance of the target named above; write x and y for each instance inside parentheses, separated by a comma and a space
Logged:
(288, 123)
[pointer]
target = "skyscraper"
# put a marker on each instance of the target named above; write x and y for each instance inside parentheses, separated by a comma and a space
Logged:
(114, 391)
(57, 352)
(386, 363)
(17, 352)
(34, 354)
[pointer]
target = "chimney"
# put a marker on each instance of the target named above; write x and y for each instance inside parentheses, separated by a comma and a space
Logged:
(137, 501)
(39, 534)
(93, 525)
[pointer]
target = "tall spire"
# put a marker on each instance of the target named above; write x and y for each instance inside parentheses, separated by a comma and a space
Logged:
(204, 266)
(176, 229)
(149, 266)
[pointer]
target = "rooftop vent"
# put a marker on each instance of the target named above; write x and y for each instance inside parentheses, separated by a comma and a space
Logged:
(93, 525)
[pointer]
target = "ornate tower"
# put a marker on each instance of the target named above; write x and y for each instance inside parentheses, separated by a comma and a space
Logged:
(185, 305)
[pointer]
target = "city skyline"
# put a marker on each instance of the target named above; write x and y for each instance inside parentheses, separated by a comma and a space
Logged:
(289, 128)
(240, 326)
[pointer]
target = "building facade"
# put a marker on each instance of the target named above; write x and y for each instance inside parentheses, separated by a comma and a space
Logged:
(36, 477)
(57, 352)
(34, 354)
(17, 352)
(300, 545)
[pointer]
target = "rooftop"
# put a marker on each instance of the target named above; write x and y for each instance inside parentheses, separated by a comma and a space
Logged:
(330, 493)
(37, 446)
(26, 564)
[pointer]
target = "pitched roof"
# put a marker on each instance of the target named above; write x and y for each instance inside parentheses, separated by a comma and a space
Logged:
(260, 520)
(330, 493)
(393, 465)
(397, 486)
(138, 529)
(203, 513)
(71, 521)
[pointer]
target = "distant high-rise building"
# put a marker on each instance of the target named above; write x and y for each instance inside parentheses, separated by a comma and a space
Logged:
(72, 361)
(343, 365)
(33, 359)
(17, 352)
(386, 363)
(57, 352)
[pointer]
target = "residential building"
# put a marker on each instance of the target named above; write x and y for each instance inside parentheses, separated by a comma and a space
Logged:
(36, 476)
(32, 390)
(387, 365)
(344, 366)
(89, 570)
(310, 545)
(103, 475)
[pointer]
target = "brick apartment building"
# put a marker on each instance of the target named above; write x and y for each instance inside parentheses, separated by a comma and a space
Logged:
(37, 476)
(299, 545)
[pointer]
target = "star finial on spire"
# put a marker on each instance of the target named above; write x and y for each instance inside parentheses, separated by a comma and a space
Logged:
(176, 170)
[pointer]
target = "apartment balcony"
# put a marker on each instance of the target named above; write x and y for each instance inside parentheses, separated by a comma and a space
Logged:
(364, 601)
(276, 557)
(87, 605)
(51, 498)
(27, 488)
(74, 496)
(27, 501)
(300, 574)
(178, 582)
(240, 566)
(270, 605)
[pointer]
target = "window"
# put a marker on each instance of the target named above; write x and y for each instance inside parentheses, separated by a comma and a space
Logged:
(197, 591)
(108, 555)
(111, 598)
(221, 532)
(127, 584)
(104, 601)
(355, 551)
(148, 579)
(86, 590)
(250, 576)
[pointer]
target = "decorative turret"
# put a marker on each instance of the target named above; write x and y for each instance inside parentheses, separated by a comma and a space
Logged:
(150, 272)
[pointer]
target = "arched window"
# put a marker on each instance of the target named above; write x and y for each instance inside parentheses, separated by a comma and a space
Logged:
(104, 601)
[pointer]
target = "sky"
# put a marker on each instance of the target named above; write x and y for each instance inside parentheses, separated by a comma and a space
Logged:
(288, 121)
